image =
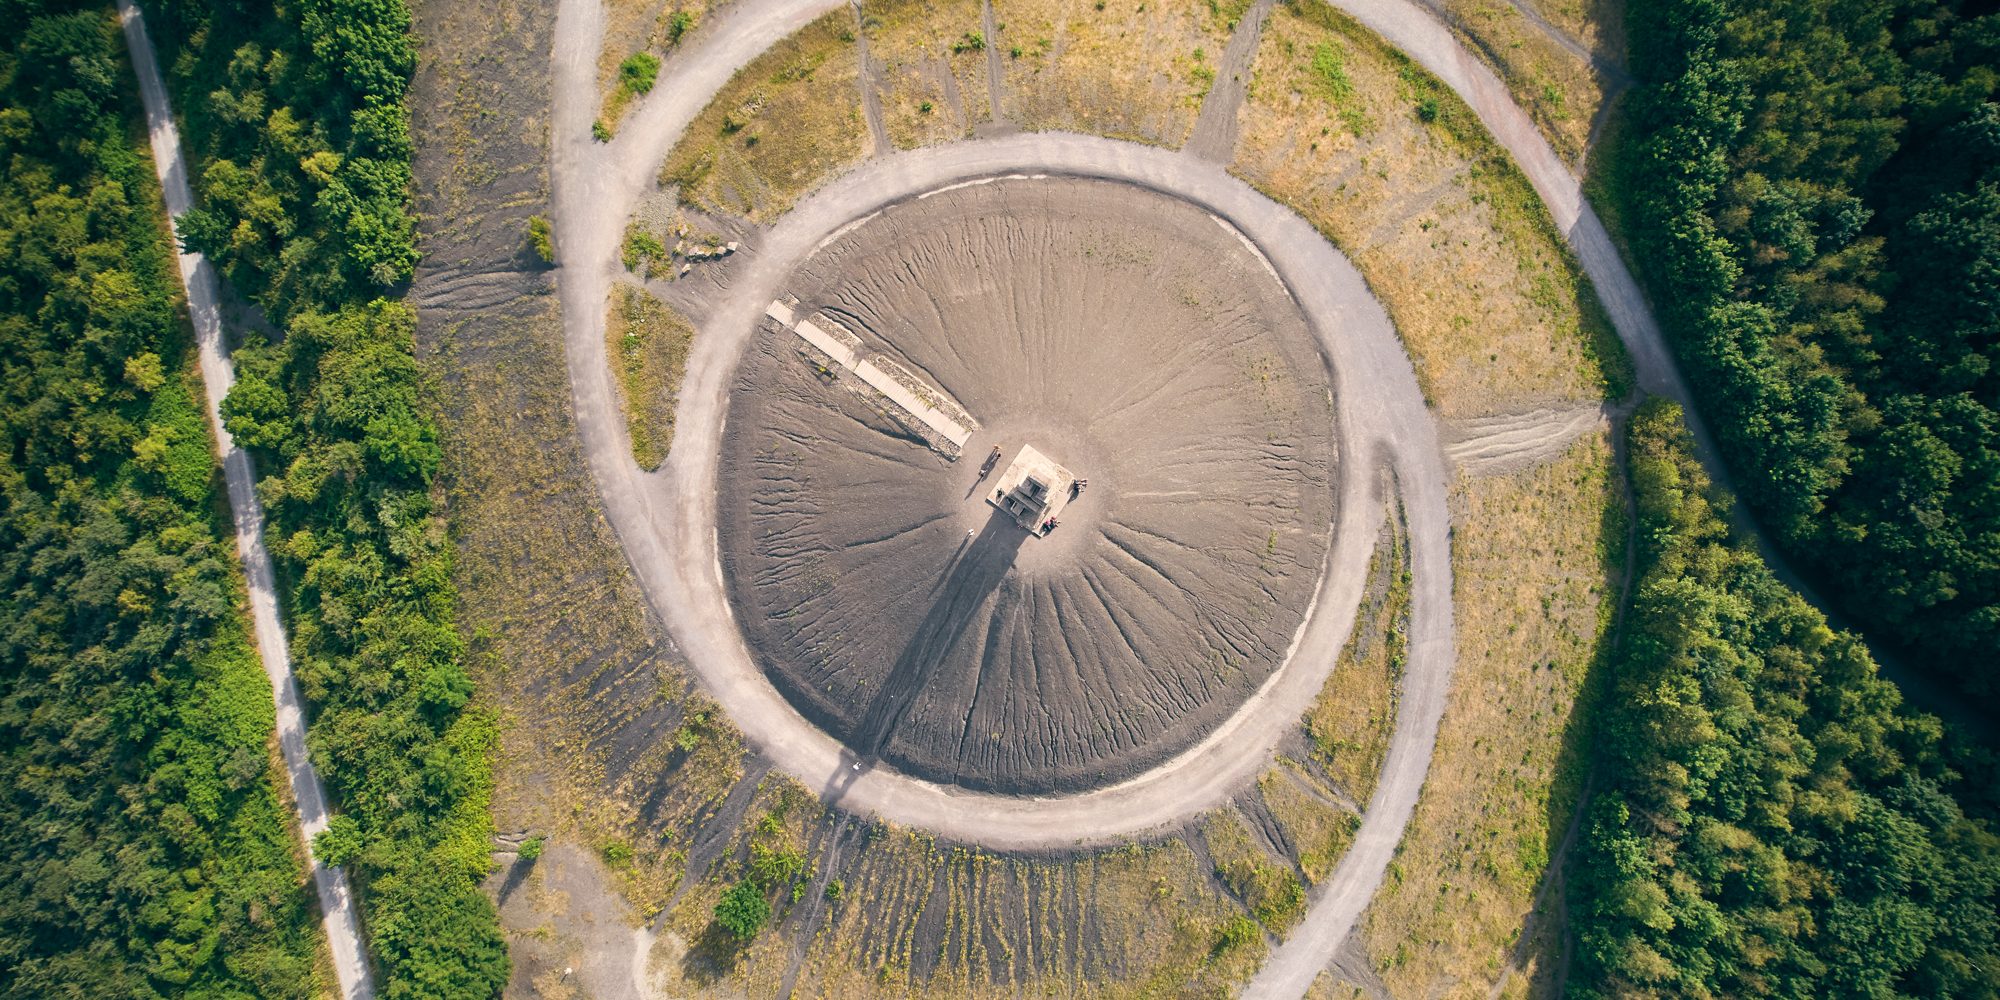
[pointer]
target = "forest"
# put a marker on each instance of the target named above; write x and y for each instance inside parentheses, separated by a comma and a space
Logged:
(295, 117)
(1768, 820)
(1812, 190)
(145, 848)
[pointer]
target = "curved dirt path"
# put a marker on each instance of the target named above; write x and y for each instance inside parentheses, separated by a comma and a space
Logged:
(1413, 29)
(336, 902)
(664, 520)
(594, 187)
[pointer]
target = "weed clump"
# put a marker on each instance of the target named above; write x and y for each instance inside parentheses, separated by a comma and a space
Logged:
(542, 237)
(639, 72)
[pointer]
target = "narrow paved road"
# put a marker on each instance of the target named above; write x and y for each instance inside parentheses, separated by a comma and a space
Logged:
(336, 902)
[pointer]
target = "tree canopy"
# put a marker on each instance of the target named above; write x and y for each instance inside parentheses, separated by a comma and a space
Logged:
(1813, 190)
(1769, 820)
(296, 115)
(144, 847)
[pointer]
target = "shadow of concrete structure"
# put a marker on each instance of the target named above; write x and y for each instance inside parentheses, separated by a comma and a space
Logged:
(968, 584)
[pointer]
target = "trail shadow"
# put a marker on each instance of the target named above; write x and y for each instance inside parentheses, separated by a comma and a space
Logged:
(969, 581)
(516, 874)
(852, 767)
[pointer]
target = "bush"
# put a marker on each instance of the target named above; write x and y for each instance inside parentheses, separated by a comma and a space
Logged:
(339, 843)
(679, 23)
(1237, 932)
(638, 72)
(743, 910)
(542, 237)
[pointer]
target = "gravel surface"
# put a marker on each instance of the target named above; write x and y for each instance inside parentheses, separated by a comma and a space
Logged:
(1128, 336)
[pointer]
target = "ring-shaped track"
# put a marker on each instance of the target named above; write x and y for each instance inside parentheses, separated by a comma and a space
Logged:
(668, 522)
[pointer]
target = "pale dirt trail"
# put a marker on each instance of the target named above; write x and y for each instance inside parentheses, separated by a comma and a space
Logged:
(1484, 446)
(336, 902)
(665, 520)
(595, 187)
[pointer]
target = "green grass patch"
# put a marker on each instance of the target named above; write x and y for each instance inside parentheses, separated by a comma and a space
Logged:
(647, 343)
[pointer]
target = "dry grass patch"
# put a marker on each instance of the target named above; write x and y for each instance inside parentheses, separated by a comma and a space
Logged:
(1349, 724)
(1598, 25)
(1535, 557)
(918, 918)
(1389, 165)
(1128, 69)
(1558, 87)
(647, 343)
(931, 56)
(1263, 882)
(638, 28)
(1317, 828)
(785, 123)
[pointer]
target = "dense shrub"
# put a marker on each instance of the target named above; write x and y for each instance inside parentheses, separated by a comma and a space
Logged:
(295, 113)
(1769, 821)
(144, 849)
(1813, 190)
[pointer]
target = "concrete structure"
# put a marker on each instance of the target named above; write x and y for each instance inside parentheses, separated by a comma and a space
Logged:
(951, 430)
(1033, 490)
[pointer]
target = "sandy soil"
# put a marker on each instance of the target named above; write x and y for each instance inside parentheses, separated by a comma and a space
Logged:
(889, 604)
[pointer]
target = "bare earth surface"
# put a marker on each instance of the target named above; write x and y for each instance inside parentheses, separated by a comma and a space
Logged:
(1124, 334)
(660, 518)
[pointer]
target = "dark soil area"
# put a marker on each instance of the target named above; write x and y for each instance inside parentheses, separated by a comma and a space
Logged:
(1129, 337)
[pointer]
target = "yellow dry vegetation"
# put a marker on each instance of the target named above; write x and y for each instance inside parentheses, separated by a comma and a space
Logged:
(1535, 555)
(785, 123)
(647, 344)
(1259, 878)
(1317, 827)
(635, 26)
(930, 58)
(1558, 86)
(777, 833)
(1128, 69)
(1597, 25)
(1381, 158)
(1350, 722)
(561, 648)
(914, 917)
(1327, 986)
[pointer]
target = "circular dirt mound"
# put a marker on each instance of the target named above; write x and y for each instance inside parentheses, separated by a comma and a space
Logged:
(1127, 336)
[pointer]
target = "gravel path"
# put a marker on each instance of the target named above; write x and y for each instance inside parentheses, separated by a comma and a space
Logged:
(667, 543)
(665, 520)
(1420, 35)
(336, 903)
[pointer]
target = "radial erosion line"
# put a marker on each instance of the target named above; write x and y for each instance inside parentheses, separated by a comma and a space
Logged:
(336, 901)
